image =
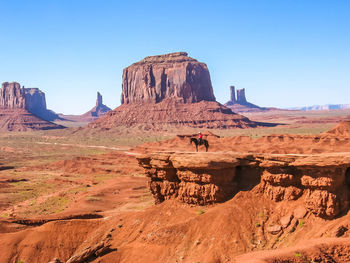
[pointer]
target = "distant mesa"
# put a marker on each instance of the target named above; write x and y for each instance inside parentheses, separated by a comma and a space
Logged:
(12, 96)
(322, 107)
(170, 89)
(240, 104)
(24, 109)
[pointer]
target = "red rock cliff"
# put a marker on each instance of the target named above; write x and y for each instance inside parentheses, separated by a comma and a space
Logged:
(12, 96)
(174, 75)
(321, 182)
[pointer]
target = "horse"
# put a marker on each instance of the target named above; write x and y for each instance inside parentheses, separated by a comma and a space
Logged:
(197, 142)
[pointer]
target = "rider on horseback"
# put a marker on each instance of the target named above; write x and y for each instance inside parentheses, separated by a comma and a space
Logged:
(200, 138)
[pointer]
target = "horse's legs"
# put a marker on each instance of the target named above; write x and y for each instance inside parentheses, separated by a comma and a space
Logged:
(196, 148)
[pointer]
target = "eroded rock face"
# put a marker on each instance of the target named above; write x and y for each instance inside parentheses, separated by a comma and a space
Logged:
(241, 96)
(35, 100)
(240, 104)
(193, 181)
(12, 96)
(99, 110)
(174, 75)
(205, 178)
(171, 89)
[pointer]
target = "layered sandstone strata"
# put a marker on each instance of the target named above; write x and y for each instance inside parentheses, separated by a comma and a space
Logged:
(13, 96)
(99, 110)
(174, 75)
(240, 104)
(321, 182)
(171, 89)
(23, 120)
(24, 109)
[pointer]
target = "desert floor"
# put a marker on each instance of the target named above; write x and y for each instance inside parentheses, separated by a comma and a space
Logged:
(61, 188)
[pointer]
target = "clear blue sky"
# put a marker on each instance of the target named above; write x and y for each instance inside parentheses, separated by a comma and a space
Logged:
(284, 53)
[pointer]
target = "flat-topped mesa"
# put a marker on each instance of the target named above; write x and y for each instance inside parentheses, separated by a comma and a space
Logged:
(12, 96)
(35, 100)
(167, 58)
(171, 76)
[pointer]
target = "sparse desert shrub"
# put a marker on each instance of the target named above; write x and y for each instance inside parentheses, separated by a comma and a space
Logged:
(200, 211)
(301, 223)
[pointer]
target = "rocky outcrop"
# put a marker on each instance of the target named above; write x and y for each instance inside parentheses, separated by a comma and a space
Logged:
(96, 112)
(204, 114)
(24, 109)
(23, 120)
(241, 96)
(99, 110)
(240, 103)
(174, 75)
(341, 130)
(233, 95)
(321, 182)
(36, 104)
(12, 96)
(35, 100)
(171, 89)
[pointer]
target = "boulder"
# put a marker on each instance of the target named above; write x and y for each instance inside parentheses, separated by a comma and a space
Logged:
(274, 229)
(285, 220)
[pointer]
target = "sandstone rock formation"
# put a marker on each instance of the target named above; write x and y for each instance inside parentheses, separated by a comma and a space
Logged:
(342, 129)
(204, 114)
(36, 104)
(171, 89)
(172, 75)
(99, 110)
(23, 120)
(240, 104)
(322, 182)
(24, 109)
(96, 112)
(12, 96)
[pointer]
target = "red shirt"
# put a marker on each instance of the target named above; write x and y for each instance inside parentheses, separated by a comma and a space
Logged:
(200, 136)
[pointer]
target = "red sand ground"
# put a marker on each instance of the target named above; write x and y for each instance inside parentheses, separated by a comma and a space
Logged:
(113, 228)
(336, 140)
